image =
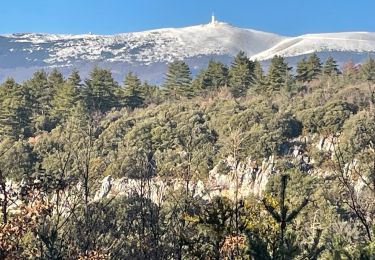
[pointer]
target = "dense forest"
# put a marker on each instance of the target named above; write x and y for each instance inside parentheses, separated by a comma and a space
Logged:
(61, 137)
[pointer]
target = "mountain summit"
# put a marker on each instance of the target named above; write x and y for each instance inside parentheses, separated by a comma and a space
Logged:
(147, 53)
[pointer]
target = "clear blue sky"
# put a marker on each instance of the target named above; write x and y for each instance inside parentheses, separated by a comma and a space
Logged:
(288, 17)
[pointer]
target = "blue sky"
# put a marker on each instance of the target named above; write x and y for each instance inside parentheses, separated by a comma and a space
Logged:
(287, 17)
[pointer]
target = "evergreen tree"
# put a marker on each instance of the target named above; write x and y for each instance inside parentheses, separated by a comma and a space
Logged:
(214, 225)
(178, 80)
(56, 81)
(278, 74)
(152, 94)
(74, 78)
(55, 78)
(217, 74)
(314, 66)
(258, 79)
(330, 67)
(99, 91)
(64, 101)
(302, 70)
(308, 69)
(368, 70)
(15, 112)
(41, 91)
(133, 91)
(241, 75)
(212, 78)
(284, 216)
(201, 84)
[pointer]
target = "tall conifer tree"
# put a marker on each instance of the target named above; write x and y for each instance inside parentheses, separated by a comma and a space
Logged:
(241, 75)
(330, 67)
(100, 90)
(133, 91)
(178, 80)
(15, 112)
(278, 76)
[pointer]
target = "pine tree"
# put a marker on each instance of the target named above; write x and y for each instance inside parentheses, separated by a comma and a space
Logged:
(202, 83)
(308, 69)
(302, 70)
(152, 94)
(64, 101)
(41, 95)
(74, 78)
(278, 76)
(368, 70)
(41, 91)
(55, 78)
(212, 78)
(258, 79)
(217, 73)
(15, 111)
(61, 94)
(132, 91)
(330, 67)
(284, 216)
(178, 80)
(314, 67)
(241, 75)
(99, 91)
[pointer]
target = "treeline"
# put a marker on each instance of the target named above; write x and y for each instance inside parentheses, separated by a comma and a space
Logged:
(60, 137)
(47, 99)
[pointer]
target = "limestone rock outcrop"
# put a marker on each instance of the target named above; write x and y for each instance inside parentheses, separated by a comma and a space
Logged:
(229, 179)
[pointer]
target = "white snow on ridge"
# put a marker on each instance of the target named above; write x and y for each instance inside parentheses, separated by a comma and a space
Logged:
(168, 44)
(309, 43)
(162, 45)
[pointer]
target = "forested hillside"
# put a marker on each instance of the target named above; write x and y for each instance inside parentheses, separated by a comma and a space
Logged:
(236, 163)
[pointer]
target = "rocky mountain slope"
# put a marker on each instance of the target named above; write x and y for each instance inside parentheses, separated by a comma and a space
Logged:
(147, 53)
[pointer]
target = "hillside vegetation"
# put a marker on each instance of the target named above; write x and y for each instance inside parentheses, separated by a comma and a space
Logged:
(60, 137)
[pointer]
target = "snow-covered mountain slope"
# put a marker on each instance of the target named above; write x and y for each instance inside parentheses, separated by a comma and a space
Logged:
(163, 45)
(309, 43)
(148, 53)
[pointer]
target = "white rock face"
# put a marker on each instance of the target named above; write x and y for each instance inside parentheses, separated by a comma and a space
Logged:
(105, 188)
(328, 144)
(242, 180)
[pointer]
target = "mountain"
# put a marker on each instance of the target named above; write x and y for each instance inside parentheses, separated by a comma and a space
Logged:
(355, 46)
(147, 53)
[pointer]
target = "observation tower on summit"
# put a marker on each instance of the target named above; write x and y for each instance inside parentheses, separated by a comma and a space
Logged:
(213, 20)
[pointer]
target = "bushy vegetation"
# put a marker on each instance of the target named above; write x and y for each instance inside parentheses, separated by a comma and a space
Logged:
(61, 136)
